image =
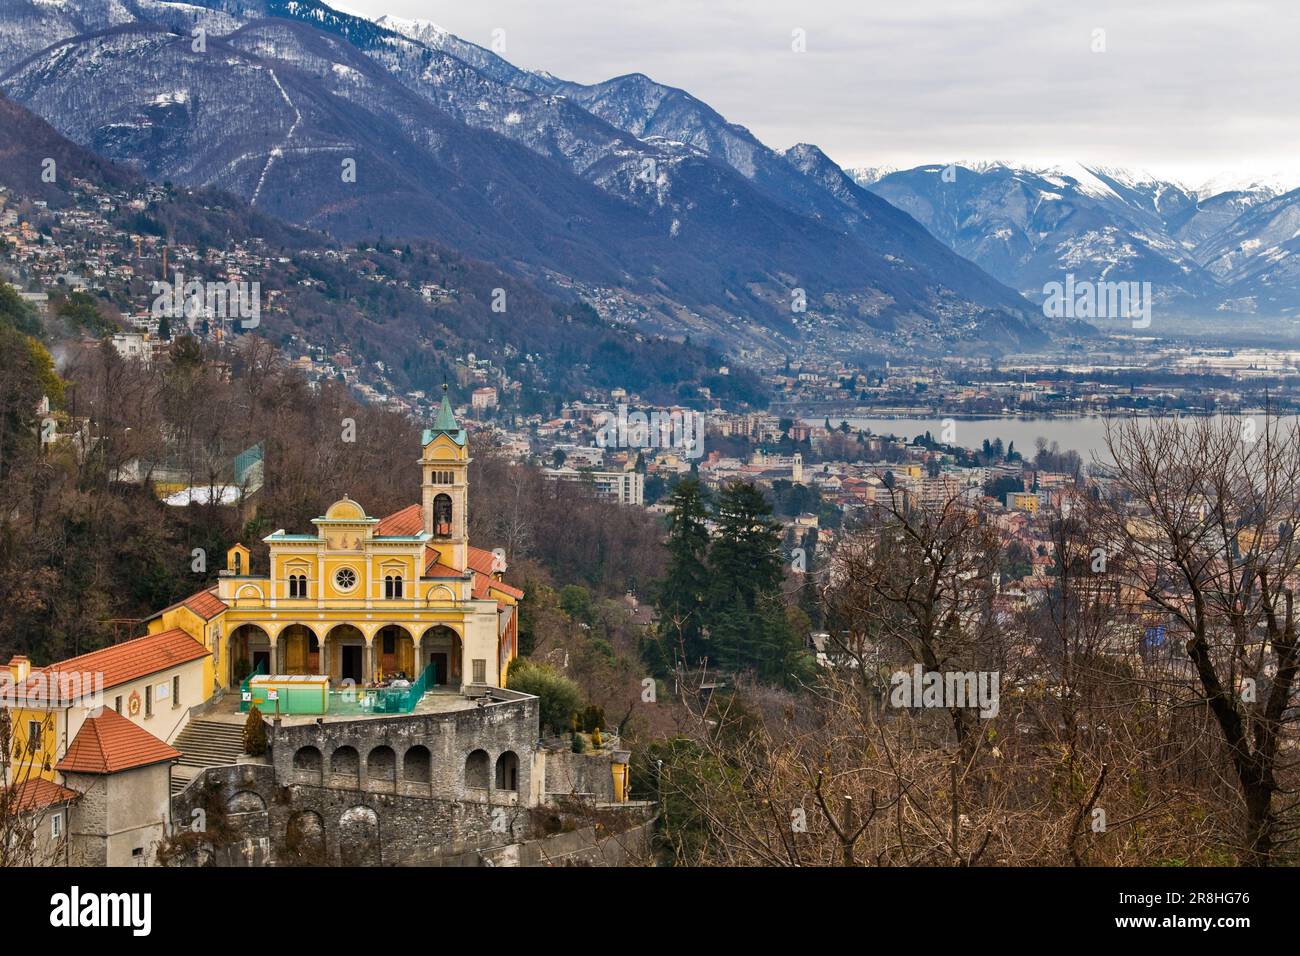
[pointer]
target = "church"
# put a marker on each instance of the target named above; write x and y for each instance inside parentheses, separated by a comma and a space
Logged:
(362, 599)
(407, 631)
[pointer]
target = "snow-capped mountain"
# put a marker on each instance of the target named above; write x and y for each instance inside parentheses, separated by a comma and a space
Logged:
(866, 175)
(1031, 224)
(626, 185)
(1266, 184)
(1257, 257)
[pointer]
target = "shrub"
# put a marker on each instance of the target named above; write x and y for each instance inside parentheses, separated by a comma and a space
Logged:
(558, 696)
(577, 743)
(254, 733)
(593, 718)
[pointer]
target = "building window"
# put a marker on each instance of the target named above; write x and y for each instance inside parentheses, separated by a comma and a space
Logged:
(297, 585)
(56, 825)
(176, 691)
(392, 586)
(117, 703)
(444, 478)
(148, 701)
(34, 736)
(137, 856)
(345, 579)
(480, 671)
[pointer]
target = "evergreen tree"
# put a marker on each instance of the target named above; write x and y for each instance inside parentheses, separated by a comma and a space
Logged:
(683, 591)
(746, 556)
(747, 618)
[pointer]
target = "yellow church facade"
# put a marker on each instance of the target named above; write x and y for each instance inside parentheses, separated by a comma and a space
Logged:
(362, 599)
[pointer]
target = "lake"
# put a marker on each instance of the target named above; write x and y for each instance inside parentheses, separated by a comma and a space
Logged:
(1084, 434)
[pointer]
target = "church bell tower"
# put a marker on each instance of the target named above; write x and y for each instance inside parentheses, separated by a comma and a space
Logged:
(444, 468)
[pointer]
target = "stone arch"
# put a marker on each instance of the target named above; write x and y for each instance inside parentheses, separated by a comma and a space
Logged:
(395, 651)
(441, 650)
(304, 839)
(381, 767)
(346, 762)
(359, 837)
(245, 801)
(477, 768)
(299, 649)
(246, 813)
(507, 776)
(249, 648)
(417, 765)
(345, 654)
(307, 764)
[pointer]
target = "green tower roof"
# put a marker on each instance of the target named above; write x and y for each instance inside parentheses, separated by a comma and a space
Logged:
(446, 420)
(445, 423)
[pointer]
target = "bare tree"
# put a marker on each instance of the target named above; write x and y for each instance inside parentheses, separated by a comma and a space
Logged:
(1205, 513)
(919, 580)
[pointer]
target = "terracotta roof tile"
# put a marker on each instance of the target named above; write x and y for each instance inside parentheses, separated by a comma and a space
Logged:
(481, 561)
(484, 564)
(485, 583)
(401, 524)
(110, 743)
(124, 662)
(205, 604)
(37, 794)
(437, 569)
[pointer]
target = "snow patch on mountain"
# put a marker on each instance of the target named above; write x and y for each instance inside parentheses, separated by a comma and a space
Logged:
(1267, 185)
(422, 31)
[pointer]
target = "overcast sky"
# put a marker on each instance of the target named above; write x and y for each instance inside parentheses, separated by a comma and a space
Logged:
(1184, 88)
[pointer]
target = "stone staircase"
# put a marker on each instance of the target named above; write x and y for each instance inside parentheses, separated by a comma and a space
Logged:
(205, 743)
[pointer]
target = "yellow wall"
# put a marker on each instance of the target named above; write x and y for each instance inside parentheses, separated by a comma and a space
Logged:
(46, 755)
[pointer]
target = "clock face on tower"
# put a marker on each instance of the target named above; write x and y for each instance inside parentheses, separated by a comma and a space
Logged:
(345, 579)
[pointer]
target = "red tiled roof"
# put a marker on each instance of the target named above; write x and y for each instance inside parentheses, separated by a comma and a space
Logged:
(130, 659)
(440, 570)
(204, 603)
(484, 563)
(37, 794)
(484, 582)
(480, 564)
(401, 524)
(110, 743)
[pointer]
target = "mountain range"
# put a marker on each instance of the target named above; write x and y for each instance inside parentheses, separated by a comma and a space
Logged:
(366, 302)
(630, 192)
(1212, 251)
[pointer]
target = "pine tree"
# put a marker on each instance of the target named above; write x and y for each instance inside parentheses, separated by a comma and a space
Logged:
(683, 591)
(745, 567)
